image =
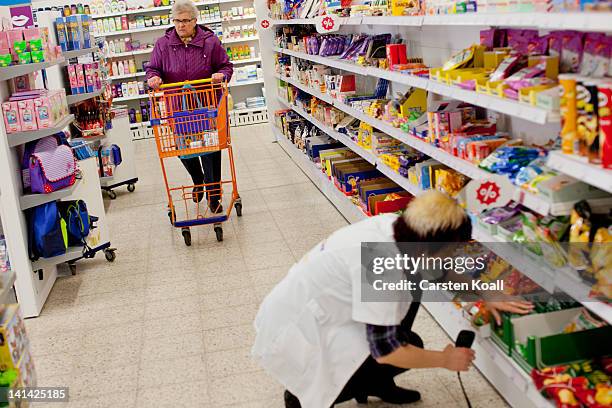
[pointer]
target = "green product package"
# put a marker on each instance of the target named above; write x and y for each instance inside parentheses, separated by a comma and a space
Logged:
(20, 46)
(6, 60)
(38, 56)
(24, 58)
(36, 44)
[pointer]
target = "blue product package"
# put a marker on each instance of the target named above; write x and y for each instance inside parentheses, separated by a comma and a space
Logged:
(72, 27)
(61, 32)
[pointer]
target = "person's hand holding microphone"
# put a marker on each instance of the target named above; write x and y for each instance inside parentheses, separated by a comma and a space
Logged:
(458, 358)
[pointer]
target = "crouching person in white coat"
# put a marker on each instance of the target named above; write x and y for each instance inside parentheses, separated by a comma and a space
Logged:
(318, 338)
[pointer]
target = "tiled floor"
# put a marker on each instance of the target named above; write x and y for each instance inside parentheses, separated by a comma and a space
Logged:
(171, 326)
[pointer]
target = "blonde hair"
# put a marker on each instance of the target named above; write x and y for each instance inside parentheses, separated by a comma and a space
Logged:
(185, 6)
(433, 212)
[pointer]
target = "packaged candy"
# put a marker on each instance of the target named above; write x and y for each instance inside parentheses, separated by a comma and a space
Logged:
(531, 171)
(460, 59)
(571, 54)
(499, 215)
(596, 57)
(507, 67)
(568, 112)
(605, 125)
(587, 129)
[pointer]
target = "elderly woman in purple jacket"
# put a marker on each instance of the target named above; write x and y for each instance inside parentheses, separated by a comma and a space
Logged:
(185, 53)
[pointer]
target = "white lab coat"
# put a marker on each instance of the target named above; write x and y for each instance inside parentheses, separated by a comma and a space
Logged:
(311, 333)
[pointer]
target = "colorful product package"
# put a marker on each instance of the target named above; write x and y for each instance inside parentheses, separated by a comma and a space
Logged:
(568, 113)
(89, 78)
(27, 115)
(12, 122)
(605, 124)
(42, 107)
(84, 23)
(587, 130)
(72, 77)
(37, 56)
(24, 58)
(5, 59)
(74, 37)
(80, 78)
(571, 54)
(61, 33)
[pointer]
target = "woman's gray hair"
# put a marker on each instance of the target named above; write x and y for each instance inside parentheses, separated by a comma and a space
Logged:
(185, 6)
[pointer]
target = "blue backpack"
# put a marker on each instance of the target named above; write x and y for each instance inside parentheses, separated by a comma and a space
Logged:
(47, 232)
(78, 221)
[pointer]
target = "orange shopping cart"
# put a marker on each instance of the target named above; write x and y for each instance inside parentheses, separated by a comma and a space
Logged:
(190, 120)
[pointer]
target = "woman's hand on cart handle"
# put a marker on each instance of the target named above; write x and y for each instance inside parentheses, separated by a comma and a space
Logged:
(154, 82)
(218, 77)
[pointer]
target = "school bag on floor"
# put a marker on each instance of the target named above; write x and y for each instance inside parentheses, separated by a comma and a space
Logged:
(48, 165)
(47, 231)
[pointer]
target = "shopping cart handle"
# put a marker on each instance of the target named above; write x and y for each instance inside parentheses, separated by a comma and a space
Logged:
(177, 84)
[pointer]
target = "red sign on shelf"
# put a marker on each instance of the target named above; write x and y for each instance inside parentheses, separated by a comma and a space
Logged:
(494, 191)
(265, 24)
(327, 24)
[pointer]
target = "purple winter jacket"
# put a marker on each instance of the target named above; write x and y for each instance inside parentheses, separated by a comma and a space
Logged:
(173, 61)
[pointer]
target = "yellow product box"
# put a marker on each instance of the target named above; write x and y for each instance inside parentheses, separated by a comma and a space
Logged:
(13, 339)
(417, 99)
(492, 59)
(552, 64)
(364, 138)
(404, 7)
(530, 94)
(469, 74)
(496, 88)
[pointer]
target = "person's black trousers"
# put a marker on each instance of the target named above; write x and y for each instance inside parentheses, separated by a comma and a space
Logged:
(209, 171)
(370, 378)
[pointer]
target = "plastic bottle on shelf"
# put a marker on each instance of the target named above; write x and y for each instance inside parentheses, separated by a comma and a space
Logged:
(124, 23)
(252, 52)
(118, 23)
(105, 25)
(132, 66)
(111, 48)
(138, 115)
(106, 48)
(127, 44)
(120, 68)
(124, 89)
(141, 90)
(114, 69)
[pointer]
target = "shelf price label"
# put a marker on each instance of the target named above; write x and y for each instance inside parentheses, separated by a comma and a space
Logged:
(327, 24)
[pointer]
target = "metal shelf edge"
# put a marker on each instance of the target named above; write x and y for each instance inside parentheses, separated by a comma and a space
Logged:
(19, 138)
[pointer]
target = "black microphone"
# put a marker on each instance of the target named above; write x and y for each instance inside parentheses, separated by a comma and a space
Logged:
(465, 339)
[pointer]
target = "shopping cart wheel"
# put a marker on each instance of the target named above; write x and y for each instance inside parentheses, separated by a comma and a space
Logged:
(131, 187)
(170, 216)
(186, 236)
(219, 232)
(111, 194)
(110, 255)
(238, 207)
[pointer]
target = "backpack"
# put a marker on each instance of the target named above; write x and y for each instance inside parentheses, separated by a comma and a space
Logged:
(47, 231)
(113, 152)
(51, 166)
(78, 221)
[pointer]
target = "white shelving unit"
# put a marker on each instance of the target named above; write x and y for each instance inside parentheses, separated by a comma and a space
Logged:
(440, 37)
(565, 21)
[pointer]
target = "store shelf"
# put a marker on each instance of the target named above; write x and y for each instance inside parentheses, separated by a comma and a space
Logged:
(19, 138)
(341, 20)
(131, 53)
(246, 61)
(19, 70)
(32, 200)
(8, 280)
(153, 28)
(147, 10)
(127, 76)
(539, 204)
(579, 168)
(106, 181)
(71, 254)
(565, 21)
(88, 139)
(249, 82)
(509, 107)
(549, 278)
(130, 98)
(239, 40)
(247, 110)
(363, 153)
(140, 124)
(73, 99)
(239, 18)
(350, 211)
(77, 53)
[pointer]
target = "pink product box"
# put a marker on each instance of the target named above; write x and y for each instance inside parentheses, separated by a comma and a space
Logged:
(44, 112)
(14, 35)
(97, 78)
(80, 78)
(27, 115)
(31, 33)
(90, 84)
(10, 112)
(72, 77)
(4, 41)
